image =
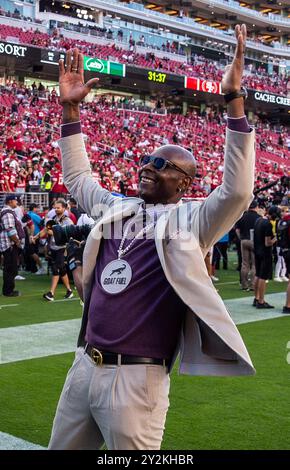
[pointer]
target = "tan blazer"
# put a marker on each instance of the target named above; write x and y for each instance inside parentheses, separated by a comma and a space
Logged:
(210, 343)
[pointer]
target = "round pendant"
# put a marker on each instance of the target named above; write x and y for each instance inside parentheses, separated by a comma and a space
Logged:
(116, 276)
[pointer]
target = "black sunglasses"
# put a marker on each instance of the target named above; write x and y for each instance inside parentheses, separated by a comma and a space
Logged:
(160, 163)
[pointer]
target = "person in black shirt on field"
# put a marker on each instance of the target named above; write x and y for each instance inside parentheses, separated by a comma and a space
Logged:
(263, 242)
(244, 230)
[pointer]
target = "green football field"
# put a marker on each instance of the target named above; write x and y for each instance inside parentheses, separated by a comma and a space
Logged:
(205, 412)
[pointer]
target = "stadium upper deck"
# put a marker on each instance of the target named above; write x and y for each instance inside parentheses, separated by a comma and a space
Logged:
(191, 23)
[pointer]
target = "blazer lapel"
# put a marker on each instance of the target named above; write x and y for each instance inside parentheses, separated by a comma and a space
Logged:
(117, 212)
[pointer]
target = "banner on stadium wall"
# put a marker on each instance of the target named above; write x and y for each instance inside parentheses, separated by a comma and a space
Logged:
(272, 99)
(16, 50)
(93, 64)
(198, 84)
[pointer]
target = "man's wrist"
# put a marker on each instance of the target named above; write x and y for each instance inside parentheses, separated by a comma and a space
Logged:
(236, 108)
(70, 113)
(241, 92)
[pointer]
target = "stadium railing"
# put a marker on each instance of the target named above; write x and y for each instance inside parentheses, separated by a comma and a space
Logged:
(21, 23)
(101, 40)
(41, 199)
(187, 25)
(161, 18)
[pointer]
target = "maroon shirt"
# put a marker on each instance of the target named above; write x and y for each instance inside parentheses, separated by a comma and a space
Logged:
(144, 319)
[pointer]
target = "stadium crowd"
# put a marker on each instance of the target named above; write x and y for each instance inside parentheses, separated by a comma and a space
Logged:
(116, 138)
(198, 66)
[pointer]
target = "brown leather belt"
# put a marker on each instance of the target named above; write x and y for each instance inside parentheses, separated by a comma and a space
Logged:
(105, 357)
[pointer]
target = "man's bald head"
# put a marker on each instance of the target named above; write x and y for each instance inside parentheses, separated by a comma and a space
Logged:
(178, 155)
(170, 183)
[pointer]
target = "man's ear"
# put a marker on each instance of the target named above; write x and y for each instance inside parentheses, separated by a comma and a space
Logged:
(185, 184)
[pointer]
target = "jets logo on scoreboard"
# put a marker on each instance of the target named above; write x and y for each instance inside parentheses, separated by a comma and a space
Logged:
(96, 65)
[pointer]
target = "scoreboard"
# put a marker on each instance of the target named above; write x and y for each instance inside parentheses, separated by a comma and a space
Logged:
(154, 76)
(51, 57)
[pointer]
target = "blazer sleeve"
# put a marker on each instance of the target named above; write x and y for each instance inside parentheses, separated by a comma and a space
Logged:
(93, 199)
(226, 204)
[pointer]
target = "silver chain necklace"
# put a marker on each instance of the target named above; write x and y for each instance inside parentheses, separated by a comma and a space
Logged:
(116, 275)
(120, 250)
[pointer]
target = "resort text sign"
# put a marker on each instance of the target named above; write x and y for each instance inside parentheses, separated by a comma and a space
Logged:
(15, 50)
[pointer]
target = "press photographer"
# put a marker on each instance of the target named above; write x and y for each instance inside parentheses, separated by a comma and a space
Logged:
(75, 239)
(279, 194)
(57, 251)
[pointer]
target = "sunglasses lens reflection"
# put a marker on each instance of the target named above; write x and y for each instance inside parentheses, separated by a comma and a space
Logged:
(159, 163)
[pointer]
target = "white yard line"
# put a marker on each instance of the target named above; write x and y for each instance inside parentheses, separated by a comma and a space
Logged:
(58, 337)
(225, 283)
(39, 340)
(10, 305)
(8, 442)
(242, 311)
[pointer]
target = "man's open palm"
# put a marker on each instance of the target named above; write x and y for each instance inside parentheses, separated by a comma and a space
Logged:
(232, 78)
(71, 79)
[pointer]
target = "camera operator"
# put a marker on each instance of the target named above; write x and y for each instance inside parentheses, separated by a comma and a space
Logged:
(75, 238)
(57, 253)
(280, 193)
(75, 251)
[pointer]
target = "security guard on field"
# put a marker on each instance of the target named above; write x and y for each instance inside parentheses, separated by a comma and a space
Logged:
(46, 180)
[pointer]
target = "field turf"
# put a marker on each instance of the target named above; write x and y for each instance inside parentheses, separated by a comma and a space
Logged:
(205, 412)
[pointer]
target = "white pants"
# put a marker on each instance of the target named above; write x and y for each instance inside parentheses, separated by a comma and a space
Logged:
(280, 268)
(124, 406)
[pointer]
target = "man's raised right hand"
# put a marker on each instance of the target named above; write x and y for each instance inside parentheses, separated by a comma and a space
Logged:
(71, 79)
